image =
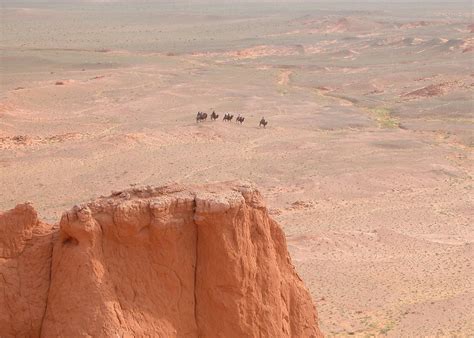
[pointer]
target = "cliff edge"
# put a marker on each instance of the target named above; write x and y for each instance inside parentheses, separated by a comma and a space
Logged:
(173, 261)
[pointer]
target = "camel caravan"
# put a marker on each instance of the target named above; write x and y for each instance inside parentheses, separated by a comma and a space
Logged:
(201, 117)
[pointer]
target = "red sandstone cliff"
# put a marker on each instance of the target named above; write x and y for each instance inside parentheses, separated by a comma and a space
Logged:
(160, 262)
(25, 261)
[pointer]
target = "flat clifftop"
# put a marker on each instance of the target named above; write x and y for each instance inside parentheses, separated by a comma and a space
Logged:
(172, 261)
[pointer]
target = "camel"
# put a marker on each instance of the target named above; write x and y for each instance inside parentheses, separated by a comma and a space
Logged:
(263, 122)
(228, 117)
(214, 116)
(201, 116)
(240, 119)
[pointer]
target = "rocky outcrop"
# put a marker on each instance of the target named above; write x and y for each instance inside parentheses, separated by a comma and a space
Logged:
(25, 260)
(164, 262)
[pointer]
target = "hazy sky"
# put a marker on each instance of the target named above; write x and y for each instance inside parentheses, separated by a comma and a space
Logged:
(469, 3)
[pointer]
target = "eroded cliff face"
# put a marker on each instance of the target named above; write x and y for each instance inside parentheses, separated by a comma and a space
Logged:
(165, 262)
(25, 262)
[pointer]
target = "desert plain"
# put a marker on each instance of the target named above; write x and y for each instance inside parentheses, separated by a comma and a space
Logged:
(366, 161)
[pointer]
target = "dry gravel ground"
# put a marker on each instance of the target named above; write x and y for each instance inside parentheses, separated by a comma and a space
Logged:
(366, 161)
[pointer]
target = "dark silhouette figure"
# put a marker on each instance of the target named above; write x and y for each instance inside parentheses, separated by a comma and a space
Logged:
(228, 117)
(263, 123)
(201, 116)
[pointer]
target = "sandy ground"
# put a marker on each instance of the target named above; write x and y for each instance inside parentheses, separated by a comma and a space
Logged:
(366, 160)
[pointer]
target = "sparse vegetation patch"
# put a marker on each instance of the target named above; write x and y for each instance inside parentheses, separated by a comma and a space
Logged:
(384, 118)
